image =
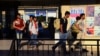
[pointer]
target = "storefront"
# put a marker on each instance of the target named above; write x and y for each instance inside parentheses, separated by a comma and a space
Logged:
(38, 11)
(43, 13)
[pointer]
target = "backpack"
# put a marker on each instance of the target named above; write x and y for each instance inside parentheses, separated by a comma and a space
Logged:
(57, 24)
(74, 28)
(27, 25)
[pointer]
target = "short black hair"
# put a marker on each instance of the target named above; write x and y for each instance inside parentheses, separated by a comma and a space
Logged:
(78, 18)
(19, 14)
(67, 13)
(82, 14)
(32, 16)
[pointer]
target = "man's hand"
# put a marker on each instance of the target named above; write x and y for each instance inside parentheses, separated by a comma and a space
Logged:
(62, 32)
(25, 31)
(37, 33)
(17, 28)
(80, 29)
(61, 29)
(30, 33)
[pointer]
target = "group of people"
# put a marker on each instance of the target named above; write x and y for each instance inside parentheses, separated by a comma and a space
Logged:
(75, 28)
(30, 27)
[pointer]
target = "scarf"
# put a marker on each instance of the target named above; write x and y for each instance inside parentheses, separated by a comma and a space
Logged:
(35, 23)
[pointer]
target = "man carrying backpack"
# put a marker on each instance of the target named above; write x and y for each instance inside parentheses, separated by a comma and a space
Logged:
(63, 33)
(78, 28)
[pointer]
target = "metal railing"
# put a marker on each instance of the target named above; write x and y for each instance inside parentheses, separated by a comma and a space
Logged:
(45, 49)
(12, 49)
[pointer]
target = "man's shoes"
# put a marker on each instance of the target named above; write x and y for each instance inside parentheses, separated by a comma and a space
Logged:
(71, 49)
(67, 52)
(53, 51)
(84, 50)
(19, 47)
(38, 44)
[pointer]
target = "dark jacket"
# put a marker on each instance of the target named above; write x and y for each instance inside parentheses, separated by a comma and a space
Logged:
(27, 26)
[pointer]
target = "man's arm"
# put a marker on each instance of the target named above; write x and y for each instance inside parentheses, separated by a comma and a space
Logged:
(61, 29)
(15, 26)
(61, 25)
(23, 26)
(77, 25)
(30, 27)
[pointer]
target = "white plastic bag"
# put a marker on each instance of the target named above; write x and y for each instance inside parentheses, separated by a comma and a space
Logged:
(57, 36)
(69, 34)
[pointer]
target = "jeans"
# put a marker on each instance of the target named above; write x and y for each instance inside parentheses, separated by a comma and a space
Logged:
(63, 37)
(19, 35)
(33, 40)
(62, 42)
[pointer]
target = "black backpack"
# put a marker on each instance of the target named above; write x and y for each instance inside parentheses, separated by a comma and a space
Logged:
(27, 25)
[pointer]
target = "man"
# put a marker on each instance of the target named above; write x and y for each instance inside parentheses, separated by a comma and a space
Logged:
(19, 26)
(80, 25)
(63, 33)
(33, 29)
(27, 26)
(74, 31)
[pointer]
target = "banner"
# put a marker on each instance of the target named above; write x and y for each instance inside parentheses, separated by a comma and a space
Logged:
(74, 12)
(90, 11)
(97, 21)
(40, 12)
(89, 20)
(90, 28)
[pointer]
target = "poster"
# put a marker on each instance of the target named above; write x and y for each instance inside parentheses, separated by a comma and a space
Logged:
(90, 28)
(92, 19)
(97, 21)
(75, 11)
(97, 33)
(97, 16)
(90, 11)
(89, 20)
(97, 30)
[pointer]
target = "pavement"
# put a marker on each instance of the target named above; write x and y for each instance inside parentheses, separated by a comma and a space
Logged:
(43, 50)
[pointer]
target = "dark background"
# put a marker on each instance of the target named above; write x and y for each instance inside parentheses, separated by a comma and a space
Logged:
(11, 8)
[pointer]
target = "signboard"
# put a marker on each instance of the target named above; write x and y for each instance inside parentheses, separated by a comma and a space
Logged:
(40, 12)
(97, 21)
(89, 20)
(74, 12)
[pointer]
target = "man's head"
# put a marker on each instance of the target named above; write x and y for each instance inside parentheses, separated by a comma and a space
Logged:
(18, 15)
(31, 17)
(67, 14)
(35, 19)
(78, 18)
(82, 16)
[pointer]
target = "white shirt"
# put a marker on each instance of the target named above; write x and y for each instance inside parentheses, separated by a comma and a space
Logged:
(81, 24)
(32, 27)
